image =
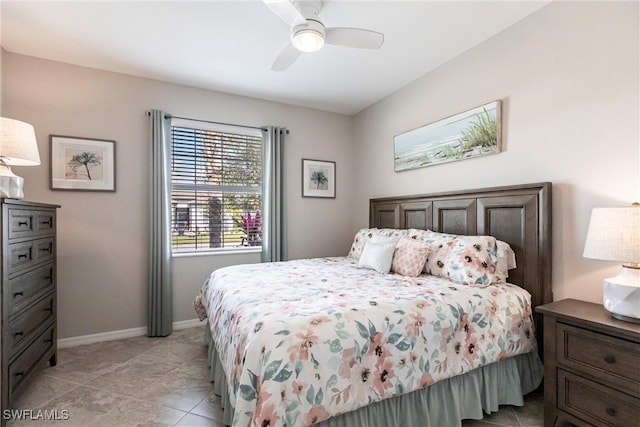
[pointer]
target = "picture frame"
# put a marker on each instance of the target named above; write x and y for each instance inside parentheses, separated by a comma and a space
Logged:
(472, 133)
(82, 164)
(318, 178)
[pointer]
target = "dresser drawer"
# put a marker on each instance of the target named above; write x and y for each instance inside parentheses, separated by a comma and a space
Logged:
(23, 326)
(596, 403)
(20, 368)
(602, 356)
(27, 286)
(25, 254)
(29, 223)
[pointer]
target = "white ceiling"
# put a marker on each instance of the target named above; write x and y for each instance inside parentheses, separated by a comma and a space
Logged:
(229, 46)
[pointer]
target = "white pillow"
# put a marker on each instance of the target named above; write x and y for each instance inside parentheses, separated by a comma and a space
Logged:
(506, 261)
(377, 256)
(505, 251)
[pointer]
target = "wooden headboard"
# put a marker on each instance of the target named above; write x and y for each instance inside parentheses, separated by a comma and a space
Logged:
(519, 215)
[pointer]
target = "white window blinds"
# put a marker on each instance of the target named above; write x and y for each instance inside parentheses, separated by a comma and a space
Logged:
(216, 195)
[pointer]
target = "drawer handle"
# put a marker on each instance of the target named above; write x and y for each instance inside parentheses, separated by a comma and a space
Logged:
(46, 249)
(19, 374)
(610, 359)
(18, 294)
(611, 412)
(24, 255)
(21, 223)
(47, 341)
(47, 222)
(18, 334)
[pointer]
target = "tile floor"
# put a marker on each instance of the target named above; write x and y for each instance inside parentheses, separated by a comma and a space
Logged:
(160, 382)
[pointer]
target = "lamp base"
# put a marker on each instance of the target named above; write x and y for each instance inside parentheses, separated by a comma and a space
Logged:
(621, 295)
(625, 318)
(11, 185)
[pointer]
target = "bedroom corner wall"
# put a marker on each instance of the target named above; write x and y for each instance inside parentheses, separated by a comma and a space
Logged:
(568, 77)
(102, 240)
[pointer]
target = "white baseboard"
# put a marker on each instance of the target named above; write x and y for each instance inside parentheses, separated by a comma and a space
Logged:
(117, 335)
(186, 324)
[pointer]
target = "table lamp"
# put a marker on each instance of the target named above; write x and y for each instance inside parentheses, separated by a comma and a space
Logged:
(18, 147)
(614, 235)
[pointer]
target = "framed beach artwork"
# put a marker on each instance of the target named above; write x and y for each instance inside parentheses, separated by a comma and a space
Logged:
(83, 164)
(318, 178)
(466, 135)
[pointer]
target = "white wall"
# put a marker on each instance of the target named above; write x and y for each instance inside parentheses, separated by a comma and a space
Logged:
(102, 237)
(568, 77)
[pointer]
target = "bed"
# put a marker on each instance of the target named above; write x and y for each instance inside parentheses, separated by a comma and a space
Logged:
(334, 342)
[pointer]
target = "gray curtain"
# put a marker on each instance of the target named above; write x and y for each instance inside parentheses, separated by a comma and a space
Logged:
(274, 237)
(160, 320)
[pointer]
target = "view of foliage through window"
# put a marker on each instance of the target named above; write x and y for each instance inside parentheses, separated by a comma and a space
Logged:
(216, 194)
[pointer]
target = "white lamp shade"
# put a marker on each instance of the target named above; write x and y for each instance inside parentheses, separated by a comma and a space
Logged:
(614, 235)
(18, 145)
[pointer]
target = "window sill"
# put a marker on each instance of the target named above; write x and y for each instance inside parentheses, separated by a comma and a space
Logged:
(217, 252)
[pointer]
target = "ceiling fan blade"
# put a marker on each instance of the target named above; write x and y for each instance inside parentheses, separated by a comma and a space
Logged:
(354, 37)
(286, 11)
(287, 57)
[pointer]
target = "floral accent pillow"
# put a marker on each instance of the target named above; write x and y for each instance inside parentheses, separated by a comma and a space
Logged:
(381, 238)
(410, 257)
(364, 234)
(438, 243)
(468, 260)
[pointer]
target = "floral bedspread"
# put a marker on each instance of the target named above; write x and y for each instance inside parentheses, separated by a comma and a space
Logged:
(303, 340)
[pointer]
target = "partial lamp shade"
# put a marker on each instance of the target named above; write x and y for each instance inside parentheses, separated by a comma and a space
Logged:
(614, 235)
(18, 147)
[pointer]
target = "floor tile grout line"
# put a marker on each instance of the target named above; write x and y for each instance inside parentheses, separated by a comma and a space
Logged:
(61, 379)
(515, 414)
(57, 396)
(137, 399)
(147, 401)
(88, 385)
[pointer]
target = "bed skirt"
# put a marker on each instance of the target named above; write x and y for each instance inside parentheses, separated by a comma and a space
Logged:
(444, 403)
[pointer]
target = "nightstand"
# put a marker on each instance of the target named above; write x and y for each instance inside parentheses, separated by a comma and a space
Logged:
(591, 366)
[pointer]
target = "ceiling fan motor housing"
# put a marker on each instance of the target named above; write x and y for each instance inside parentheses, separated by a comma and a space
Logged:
(309, 8)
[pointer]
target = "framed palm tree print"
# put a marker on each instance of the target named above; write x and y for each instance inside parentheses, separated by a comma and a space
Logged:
(83, 164)
(318, 178)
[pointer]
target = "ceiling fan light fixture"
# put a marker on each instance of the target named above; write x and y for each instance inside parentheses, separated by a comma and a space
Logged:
(308, 41)
(308, 37)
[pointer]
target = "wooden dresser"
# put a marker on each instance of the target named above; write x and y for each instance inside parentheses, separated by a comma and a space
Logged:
(28, 306)
(591, 366)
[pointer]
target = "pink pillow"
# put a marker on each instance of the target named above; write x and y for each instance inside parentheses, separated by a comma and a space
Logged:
(409, 257)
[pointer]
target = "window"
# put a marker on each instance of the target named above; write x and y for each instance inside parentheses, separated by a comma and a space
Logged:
(216, 194)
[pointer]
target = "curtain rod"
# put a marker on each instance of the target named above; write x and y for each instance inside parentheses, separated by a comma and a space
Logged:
(169, 116)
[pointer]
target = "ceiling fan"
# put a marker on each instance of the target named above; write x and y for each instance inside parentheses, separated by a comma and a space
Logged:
(308, 33)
